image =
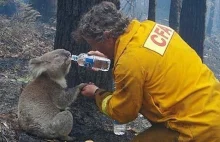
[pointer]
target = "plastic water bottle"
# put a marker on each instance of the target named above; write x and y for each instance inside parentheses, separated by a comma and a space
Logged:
(93, 62)
(119, 129)
(145, 123)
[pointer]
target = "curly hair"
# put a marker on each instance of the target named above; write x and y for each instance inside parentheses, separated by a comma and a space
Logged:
(102, 17)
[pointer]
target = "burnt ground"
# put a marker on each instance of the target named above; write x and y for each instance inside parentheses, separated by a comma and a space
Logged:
(18, 43)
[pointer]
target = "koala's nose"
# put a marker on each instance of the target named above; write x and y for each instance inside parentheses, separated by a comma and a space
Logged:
(67, 53)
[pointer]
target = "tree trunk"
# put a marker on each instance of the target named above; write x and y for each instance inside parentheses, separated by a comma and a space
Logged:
(89, 123)
(68, 15)
(47, 8)
(152, 10)
(174, 17)
(216, 18)
(192, 24)
(7, 7)
(210, 17)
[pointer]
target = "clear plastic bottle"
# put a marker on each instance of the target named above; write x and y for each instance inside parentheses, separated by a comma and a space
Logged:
(119, 129)
(93, 62)
(139, 125)
(145, 123)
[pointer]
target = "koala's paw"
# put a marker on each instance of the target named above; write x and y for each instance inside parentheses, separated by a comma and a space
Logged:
(80, 86)
(77, 89)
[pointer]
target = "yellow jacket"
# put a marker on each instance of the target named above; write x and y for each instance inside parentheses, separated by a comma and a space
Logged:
(157, 74)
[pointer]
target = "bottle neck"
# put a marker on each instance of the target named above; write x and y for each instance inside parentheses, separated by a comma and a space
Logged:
(74, 57)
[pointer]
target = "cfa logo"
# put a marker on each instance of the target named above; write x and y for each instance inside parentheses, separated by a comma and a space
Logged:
(159, 38)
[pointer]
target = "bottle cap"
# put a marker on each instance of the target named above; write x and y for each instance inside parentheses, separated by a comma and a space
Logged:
(74, 57)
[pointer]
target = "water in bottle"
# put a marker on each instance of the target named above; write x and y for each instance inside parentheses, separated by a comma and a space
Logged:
(119, 129)
(139, 125)
(93, 62)
(145, 123)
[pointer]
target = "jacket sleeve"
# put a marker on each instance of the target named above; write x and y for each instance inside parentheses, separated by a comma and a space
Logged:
(125, 102)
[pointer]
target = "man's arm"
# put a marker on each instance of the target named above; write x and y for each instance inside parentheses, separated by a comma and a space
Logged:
(125, 102)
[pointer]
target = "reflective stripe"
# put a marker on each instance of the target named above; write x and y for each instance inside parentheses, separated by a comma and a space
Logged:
(104, 104)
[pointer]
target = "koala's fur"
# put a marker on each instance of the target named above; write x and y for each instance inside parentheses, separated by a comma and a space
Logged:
(42, 104)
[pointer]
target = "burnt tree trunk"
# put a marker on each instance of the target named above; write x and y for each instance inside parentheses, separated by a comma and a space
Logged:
(47, 8)
(174, 17)
(210, 18)
(152, 10)
(7, 7)
(216, 18)
(68, 16)
(89, 123)
(192, 24)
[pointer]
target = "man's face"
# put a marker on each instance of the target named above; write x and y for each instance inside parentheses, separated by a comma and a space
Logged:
(106, 47)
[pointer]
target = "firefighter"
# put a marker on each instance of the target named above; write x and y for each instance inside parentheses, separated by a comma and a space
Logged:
(156, 73)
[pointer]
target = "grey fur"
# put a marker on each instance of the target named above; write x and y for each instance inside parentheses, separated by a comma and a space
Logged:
(42, 104)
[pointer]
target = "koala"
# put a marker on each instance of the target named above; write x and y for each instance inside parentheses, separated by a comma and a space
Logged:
(43, 102)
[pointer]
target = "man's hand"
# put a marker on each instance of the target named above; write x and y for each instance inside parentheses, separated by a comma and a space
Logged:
(97, 53)
(89, 90)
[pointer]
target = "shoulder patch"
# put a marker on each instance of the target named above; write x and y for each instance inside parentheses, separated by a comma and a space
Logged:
(159, 39)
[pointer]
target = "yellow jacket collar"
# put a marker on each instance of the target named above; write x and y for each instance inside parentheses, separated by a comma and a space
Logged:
(124, 39)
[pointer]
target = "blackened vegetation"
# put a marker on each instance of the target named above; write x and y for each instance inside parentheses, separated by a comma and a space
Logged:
(192, 24)
(174, 17)
(152, 10)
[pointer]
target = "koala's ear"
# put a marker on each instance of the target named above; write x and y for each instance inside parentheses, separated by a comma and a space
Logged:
(35, 61)
(36, 67)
